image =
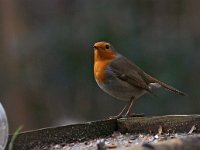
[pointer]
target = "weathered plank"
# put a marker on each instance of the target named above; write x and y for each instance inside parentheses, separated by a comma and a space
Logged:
(64, 134)
(91, 130)
(169, 124)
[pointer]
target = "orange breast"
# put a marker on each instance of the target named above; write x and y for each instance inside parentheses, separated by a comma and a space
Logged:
(99, 70)
(101, 60)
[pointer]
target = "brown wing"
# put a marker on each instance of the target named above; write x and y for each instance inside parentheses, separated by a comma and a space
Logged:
(128, 72)
(132, 74)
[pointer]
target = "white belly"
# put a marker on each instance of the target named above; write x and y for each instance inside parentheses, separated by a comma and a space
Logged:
(121, 90)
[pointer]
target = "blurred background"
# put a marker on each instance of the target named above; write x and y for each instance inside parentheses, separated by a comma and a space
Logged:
(46, 57)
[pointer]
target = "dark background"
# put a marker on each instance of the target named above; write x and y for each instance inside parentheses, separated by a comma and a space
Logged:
(46, 57)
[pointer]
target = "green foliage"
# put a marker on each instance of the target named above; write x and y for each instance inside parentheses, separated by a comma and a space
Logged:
(16, 133)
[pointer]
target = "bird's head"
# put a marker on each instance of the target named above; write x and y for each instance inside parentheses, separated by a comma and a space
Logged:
(103, 51)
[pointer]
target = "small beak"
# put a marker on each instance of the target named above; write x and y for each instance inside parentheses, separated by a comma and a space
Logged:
(95, 47)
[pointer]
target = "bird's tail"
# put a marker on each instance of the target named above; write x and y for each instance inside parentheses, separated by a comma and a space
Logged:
(166, 86)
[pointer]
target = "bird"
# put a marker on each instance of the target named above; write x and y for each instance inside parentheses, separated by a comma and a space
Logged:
(122, 79)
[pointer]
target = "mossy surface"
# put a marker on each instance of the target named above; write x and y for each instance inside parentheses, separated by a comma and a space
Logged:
(169, 124)
(104, 129)
(64, 134)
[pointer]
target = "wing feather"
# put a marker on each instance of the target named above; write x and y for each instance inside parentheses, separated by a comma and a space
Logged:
(128, 72)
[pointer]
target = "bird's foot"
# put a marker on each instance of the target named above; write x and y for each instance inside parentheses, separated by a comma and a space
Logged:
(115, 117)
(134, 115)
(127, 115)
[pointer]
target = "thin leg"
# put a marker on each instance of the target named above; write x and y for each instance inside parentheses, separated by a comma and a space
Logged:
(132, 101)
(120, 114)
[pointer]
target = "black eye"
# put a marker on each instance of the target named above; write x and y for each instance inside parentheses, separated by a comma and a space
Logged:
(107, 46)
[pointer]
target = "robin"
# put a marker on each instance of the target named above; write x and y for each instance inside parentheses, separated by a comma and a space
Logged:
(121, 78)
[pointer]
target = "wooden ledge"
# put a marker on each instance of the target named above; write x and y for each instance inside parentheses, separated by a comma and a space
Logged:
(64, 134)
(169, 124)
(101, 129)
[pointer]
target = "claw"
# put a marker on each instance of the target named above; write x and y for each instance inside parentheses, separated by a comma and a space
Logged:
(135, 115)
